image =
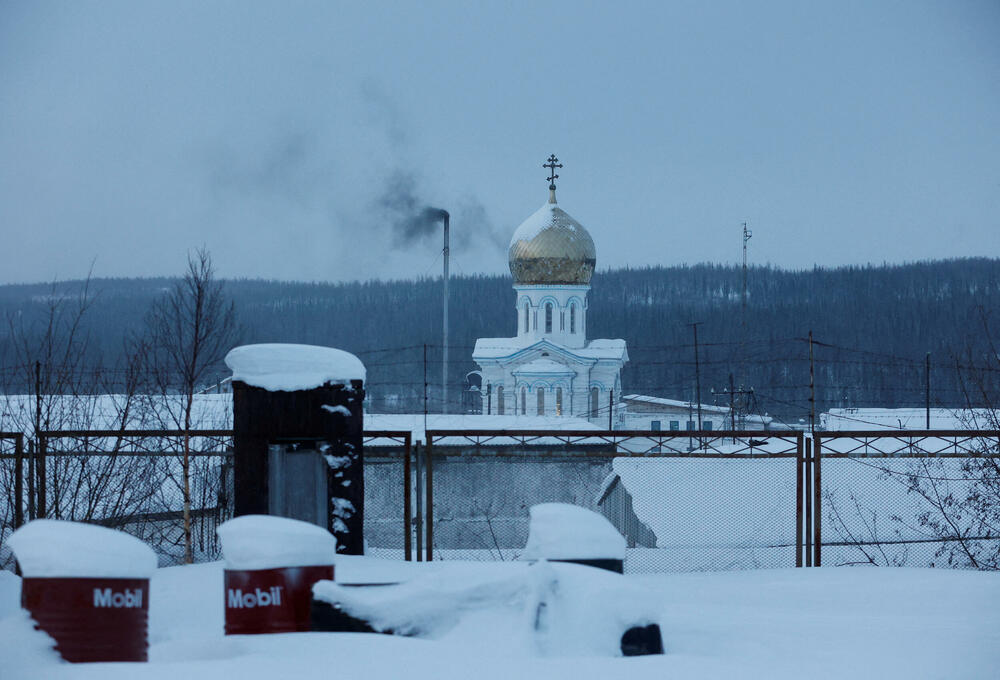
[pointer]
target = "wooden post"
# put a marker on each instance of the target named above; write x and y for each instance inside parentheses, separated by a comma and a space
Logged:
(40, 484)
(40, 446)
(31, 479)
(18, 480)
(927, 390)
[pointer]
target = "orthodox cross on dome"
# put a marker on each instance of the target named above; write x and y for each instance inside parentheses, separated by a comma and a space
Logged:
(552, 164)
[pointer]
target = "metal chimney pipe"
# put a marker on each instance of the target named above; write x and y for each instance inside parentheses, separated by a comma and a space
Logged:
(444, 363)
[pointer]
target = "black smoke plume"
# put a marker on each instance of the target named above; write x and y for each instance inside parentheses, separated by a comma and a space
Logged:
(412, 220)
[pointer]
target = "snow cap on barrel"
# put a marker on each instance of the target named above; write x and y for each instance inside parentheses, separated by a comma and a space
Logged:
(267, 542)
(288, 368)
(48, 548)
(560, 531)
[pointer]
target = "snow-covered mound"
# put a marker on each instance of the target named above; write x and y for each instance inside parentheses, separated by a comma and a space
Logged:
(281, 367)
(54, 548)
(771, 623)
(560, 531)
(545, 608)
(268, 542)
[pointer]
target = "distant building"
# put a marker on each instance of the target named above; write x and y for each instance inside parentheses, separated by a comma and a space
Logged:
(906, 419)
(550, 368)
(641, 412)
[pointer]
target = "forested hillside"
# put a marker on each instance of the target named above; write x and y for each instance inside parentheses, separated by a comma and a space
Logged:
(872, 327)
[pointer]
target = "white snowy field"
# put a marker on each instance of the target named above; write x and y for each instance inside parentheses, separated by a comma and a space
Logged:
(819, 623)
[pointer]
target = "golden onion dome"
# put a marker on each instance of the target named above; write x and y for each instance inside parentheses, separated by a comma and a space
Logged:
(551, 248)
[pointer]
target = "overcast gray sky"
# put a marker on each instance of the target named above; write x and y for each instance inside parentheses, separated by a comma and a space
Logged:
(285, 136)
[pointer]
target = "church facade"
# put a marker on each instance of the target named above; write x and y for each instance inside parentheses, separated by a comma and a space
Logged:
(551, 367)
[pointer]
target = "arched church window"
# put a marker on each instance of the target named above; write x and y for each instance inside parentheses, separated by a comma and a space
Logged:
(559, 411)
(572, 318)
(548, 317)
(595, 395)
(541, 401)
(524, 401)
(500, 399)
(526, 311)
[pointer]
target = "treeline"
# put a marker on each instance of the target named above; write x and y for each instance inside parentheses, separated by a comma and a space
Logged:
(872, 328)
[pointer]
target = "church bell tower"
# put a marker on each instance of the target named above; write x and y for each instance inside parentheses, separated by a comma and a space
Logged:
(550, 368)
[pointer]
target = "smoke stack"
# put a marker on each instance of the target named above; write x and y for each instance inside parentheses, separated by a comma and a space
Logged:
(444, 364)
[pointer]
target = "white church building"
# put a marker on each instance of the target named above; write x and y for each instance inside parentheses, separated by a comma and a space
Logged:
(551, 368)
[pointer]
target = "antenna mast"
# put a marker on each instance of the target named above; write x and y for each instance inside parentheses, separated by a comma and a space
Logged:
(746, 237)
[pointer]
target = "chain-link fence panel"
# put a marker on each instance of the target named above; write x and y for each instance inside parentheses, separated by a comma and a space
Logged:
(910, 499)
(719, 501)
(388, 495)
(134, 480)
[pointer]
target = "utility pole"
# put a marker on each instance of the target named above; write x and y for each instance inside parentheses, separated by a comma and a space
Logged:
(611, 409)
(743, 308)
(732, 409)
(40, 501)
(697, 373)
(927, 390)
(747, 234)
(734, 405)
(812, 389)
(425, 387)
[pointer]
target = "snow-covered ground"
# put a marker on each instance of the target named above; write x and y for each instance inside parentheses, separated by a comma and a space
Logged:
(816, 623)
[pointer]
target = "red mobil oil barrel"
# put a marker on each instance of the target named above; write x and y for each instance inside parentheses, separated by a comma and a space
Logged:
(271, 566)
(91, 619)
(271, 600)
(87, 587)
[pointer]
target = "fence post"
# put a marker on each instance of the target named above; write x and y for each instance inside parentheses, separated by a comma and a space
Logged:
(420, 502)
(430, 499)
(817, 455)
(808, 501)
(18, 480)
(799, 492)
(40, 469)
(31, 479)
(407, 501)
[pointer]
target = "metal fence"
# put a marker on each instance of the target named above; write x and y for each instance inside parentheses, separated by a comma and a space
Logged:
(11, 484)
(928, 498)
(684, 501)
(130, 480)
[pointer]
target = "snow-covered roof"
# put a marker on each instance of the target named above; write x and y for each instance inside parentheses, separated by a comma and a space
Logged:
(664, 490)
(115, 411)
(546, 366)
(288, 368)
(662, 402)
(550, 247)
(905, 419)
(500, 348)
(546, 217)
(414, 423)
